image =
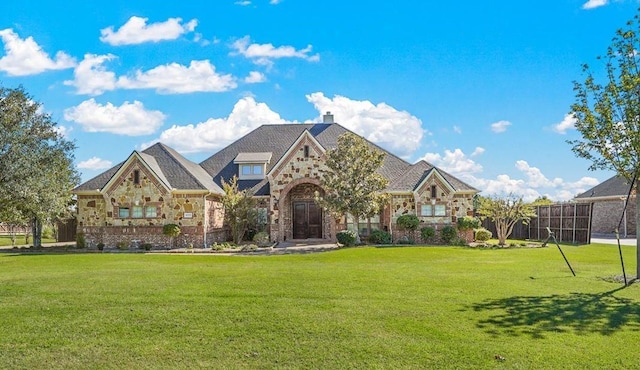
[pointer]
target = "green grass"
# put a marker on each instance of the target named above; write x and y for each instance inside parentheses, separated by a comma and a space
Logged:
(393, 307)
(5, 240)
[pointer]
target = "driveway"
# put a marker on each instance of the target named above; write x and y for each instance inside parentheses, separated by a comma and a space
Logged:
(612, 240)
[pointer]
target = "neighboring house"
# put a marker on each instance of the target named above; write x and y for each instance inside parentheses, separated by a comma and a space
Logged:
(282, 164)
(609, 198)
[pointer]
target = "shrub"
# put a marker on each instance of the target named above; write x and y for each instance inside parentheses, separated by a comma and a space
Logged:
(171, 230)
(122, 245)
(469, 223)
(262, 239)
(482, 234)
(408, 222)
(346, 237)
(48, 232)
(146, 246)
(100, 246)
(427, 233)
(80, 240)
(447, 234)
(380, 237)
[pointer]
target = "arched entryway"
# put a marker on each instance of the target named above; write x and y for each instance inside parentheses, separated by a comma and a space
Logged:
(300, 216)
(307, 220)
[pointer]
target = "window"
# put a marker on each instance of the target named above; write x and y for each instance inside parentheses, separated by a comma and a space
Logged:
(123, 212)
(434, 192)
(256, 169)
(440, 210)
(136, 177)
(245, 170)
(365, 225)
(306, 151)
(151, 211)
(426, 210)
(136, 212)
(251, 171)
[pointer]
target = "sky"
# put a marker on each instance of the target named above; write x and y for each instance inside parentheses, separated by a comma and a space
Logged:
(480, 89)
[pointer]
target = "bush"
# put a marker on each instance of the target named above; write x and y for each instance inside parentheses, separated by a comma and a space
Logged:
(427, 233)
(262, 239)
(48, 232)
(122, 245)
(405, 240)
(447, 234)
(80, 240)
(380, 237)
(408, 222)
(100, 246)
(482, 235)
(146, 246)
(346, 237)
(171, 230)
(468, 223)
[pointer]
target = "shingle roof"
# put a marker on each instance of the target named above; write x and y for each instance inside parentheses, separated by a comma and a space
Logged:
(415, 174)
(171, 168)
(277, 139)
(614, 187)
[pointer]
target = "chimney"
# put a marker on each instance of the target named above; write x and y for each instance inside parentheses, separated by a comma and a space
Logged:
(327, 118)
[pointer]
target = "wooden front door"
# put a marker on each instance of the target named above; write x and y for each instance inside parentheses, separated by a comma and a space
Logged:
(307, 220)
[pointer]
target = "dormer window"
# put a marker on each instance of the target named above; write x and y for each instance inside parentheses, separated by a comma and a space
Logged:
(252, 166)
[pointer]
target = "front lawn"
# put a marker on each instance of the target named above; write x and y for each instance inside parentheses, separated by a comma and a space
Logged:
(391, 307)
(5, 240)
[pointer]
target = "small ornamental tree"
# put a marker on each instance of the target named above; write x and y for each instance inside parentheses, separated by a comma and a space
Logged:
(608, 115)
(352, 184)
(239, 209)
(172, 231)
(505, 213)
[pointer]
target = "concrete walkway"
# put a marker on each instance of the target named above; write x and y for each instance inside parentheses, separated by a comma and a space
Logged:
(602, 239)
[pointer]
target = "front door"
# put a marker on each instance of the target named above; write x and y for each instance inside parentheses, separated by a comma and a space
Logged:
(307, 220)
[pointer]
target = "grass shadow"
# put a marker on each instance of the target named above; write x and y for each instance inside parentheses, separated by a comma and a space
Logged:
(579, 313)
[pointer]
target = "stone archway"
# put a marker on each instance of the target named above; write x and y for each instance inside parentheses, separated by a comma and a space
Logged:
(300, 217)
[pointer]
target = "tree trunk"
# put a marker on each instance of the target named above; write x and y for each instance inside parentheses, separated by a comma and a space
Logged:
(36, 229)
(637, 234)
(356, 220)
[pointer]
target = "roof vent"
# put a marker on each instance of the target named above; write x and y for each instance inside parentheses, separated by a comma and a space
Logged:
(327, 118)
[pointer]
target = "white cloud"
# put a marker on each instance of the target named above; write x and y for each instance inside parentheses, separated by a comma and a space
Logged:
(457, 129)
(175, 78)
(455, 162)
(63, 131)
(500, 126)
(535, 178)
(591, 4)
(136, 31)
(262, 54)
(397, 131)
(130, 119)
(503, 184)
(243, 3)
(255, 77)
(25, 57)
(568, 123)
(95, 163)
(275, 2)
(91, 77)
(216, 133)
(477, 151)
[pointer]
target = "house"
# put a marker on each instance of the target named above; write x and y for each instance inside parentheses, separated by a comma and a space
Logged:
(608, 199)
(282, 165)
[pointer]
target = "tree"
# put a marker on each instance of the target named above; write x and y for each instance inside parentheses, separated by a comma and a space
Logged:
(542, 201)
(239, 209)
(608, 115)
(36, 161)
(351, 182)
(505, 212)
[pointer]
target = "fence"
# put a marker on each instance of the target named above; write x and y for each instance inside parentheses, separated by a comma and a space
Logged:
(570, 223)
(5, 229)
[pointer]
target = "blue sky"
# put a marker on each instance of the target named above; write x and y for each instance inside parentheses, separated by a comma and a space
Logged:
(481, 89)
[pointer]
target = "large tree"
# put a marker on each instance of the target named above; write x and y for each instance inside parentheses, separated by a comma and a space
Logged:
(608, 115)
(352, 183)
(36, 161)
(239, 208)
(505, 212)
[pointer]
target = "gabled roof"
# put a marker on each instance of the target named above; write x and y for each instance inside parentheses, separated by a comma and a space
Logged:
(171, 168)
(416, 173)
(277, 139)
(615, 187)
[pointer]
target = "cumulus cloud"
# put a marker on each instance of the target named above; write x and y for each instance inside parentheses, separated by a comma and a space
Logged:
(136, 31)
(255, 77)
(275, 2)
(91, 77)
(25, 57)
(568, 123)
(175, 78)
(535, 178)
(591, 4)
(500, 126)
(216, 133)
(477, 151)
(397, 131)
(455, 162)
(243, 3)
(130, 119)
(95, 163)
(263, 54)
